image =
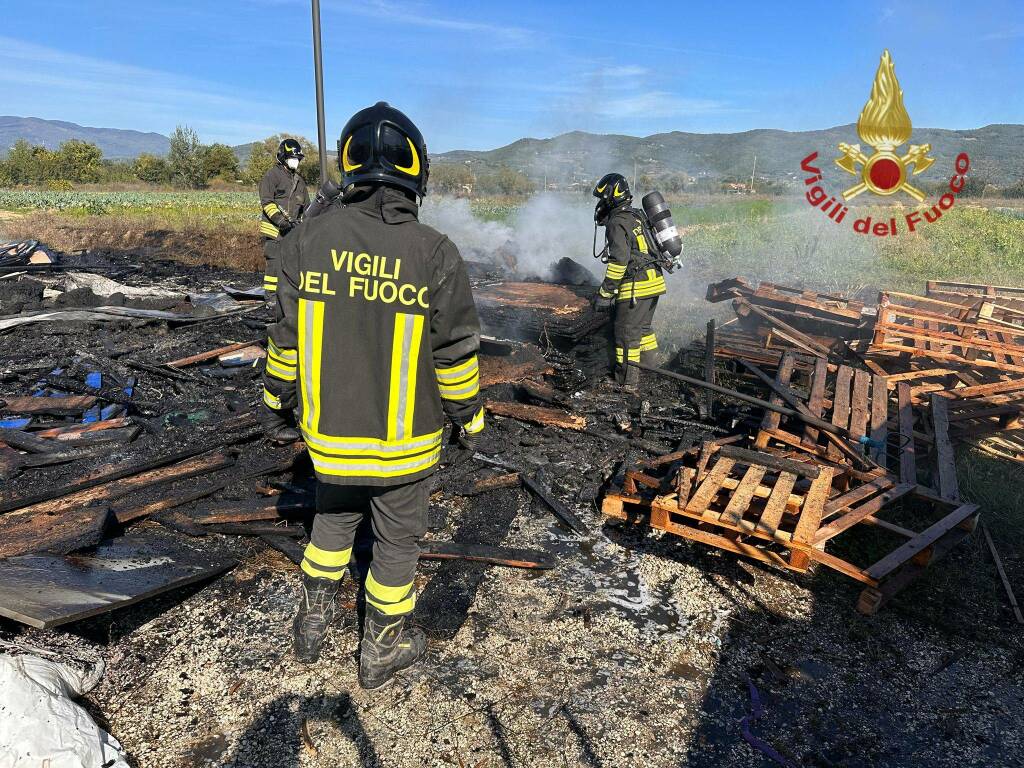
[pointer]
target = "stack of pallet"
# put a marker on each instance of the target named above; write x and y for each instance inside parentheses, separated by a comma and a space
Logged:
(866, 406)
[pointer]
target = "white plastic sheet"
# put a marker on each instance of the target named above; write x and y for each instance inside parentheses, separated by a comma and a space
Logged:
(40, 725)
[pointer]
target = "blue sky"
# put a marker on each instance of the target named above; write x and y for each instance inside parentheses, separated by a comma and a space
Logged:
(477, 75)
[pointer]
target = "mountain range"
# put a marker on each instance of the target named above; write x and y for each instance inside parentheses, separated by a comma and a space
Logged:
(994, 150)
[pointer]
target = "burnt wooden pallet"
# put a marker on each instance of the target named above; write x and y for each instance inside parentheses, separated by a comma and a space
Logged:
(851, 399)
(782, 510)
(913, 332)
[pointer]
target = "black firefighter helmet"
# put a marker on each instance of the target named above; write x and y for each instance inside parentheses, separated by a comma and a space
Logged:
(289, 148)
(380, 145)
(611, 192)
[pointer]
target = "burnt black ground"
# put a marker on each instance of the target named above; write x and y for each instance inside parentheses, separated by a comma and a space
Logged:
(638, 650)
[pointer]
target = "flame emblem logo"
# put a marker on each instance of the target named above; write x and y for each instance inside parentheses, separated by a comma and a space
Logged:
(884, 125)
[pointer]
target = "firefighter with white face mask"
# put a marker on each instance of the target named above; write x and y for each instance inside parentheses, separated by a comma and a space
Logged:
(283, 200)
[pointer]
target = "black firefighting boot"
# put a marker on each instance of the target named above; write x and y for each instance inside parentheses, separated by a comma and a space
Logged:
(316, 612)
(276, 426)
(388, 646)
(631, 383)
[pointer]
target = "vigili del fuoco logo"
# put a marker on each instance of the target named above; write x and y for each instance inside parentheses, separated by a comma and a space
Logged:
(884, 125)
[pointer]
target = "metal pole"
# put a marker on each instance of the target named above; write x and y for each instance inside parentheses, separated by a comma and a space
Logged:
(318, 71)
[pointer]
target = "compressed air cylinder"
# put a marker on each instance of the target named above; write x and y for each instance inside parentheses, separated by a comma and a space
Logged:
(660, 216)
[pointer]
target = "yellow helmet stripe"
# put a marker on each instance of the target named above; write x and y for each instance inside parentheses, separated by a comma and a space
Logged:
(616, 191)
(602, 189)
(414, 169)
(346, 164)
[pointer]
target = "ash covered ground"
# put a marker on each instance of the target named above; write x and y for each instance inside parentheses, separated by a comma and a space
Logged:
(637, 649)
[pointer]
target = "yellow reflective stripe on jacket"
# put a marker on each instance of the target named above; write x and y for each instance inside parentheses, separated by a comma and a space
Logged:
(269, 230)
(405, 356)
(329, 445)
(278, 371)
(272, 400)
(457, 372)
(652, 285)
(351, 467)
(459, 382)
(311, 329)
(270, 209)
(288, 356)
(614, 272)
(476, 424)
(604, 294)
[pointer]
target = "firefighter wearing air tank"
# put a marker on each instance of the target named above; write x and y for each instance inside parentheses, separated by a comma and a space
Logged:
(634, 278)
(283, 200)
(377, 343)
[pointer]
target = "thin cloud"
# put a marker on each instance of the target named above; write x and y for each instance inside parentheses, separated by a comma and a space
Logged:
(658, 104)
(45, 79)
(420, 15)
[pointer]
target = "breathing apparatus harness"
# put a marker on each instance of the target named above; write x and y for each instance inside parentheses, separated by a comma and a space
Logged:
(664, 247)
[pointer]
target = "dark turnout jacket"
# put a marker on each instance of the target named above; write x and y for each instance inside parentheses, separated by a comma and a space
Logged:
(376, 341)
(632, 270)
(283, 196)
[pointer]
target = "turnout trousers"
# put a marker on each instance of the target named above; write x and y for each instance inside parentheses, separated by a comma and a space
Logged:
(633, 332)
(270, 272)
(398, 516)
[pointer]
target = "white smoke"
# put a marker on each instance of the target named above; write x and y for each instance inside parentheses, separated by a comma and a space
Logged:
(546, 228)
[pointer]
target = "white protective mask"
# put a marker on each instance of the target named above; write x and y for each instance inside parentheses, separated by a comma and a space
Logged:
(292, 162)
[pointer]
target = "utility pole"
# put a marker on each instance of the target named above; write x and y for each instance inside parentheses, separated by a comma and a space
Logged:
(318, 72)
(752, 170)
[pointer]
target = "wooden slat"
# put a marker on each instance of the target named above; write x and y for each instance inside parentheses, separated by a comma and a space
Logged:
(814, 504)
(729, 545)
(744, 493)
(925, 539)
(776, 505)
(771, 418)
(908, 459)
(710, 487)
(861, 492)
(841, 403)
(209, 354)
(949, 488)
(815, 402)
(684, 485)
(859, 403)
(880, 418)
(866, 509)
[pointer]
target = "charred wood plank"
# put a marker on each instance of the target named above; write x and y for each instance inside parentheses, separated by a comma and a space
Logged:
(56, 406)
(756, 458)
(548, 417)
(114, 471)
(76, 529)
(210, 354)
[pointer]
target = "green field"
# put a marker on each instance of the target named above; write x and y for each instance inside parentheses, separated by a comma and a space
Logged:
(778, 239)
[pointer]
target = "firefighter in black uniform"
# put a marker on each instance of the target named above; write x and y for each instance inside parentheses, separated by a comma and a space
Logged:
(283, 201)
(633, 280)
(376, 343)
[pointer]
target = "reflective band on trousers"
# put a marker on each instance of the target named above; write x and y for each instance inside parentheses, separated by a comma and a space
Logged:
(477, 423)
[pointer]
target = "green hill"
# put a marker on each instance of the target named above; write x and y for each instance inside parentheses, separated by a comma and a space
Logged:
(994, 151)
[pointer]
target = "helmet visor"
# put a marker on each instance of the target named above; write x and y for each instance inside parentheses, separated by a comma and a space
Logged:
(396, 148)
(358, 148)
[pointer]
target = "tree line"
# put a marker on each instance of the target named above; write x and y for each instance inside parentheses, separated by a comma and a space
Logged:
(188, 164)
